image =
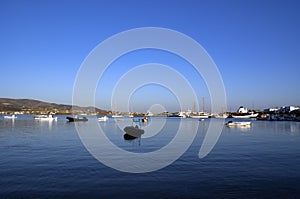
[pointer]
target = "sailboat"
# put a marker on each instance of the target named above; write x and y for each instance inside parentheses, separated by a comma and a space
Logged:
(222, 115)
(117, 116)
(200, 115)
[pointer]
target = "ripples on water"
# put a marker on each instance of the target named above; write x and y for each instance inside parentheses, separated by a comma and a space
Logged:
(42, 159)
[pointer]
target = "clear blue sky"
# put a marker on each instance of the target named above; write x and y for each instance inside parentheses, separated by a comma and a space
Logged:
(255, 45)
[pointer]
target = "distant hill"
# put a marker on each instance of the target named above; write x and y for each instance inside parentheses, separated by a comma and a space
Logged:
(35, 106)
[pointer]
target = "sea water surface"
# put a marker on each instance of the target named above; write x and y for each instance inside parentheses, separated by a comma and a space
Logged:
(48, 160)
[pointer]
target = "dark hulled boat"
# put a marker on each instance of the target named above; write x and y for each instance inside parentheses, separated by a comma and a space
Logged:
(77, 119)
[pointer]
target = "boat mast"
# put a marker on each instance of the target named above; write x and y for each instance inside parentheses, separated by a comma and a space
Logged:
(202, 104)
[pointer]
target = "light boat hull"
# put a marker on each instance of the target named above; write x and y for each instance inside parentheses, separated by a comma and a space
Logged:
(232, 124)
(245, 116)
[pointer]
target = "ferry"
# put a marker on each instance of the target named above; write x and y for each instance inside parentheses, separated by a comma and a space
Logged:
(243, 113)
(245, 116)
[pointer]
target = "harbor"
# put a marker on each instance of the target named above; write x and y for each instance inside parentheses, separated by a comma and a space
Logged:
(284, 113)
(47, 159)
(149, 99)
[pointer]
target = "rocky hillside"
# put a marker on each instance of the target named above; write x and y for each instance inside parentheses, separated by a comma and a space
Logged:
(33, 106)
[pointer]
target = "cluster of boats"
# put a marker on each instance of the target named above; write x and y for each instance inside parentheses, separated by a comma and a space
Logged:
(48, 117)
(131, 132)
(76, 118)
(241, 113)
(134, 131)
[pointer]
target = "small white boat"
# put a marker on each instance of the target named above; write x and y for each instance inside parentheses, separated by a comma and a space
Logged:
(233, 124)
(45, 118)
(200, 116)
(221, 116)
(117, 116)
(134, 131)
(104, 118)
(10, 117)
(149, 114)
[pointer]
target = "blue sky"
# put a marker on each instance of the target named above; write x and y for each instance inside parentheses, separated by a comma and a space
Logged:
(255, 45)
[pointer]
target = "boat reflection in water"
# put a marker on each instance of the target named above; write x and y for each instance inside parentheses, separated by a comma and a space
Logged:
(129, 137)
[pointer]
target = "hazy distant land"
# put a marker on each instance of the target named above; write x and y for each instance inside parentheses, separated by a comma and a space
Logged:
(30, 106)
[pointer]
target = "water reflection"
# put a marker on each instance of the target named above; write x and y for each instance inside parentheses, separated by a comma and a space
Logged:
(129, 137)
(46, 124)
(239, 128)
(9, 123)
(290, 127)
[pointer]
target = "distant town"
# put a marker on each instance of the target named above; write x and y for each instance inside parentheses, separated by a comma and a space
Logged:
(34, 107)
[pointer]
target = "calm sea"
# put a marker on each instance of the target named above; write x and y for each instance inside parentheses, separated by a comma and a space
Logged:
(48, 160)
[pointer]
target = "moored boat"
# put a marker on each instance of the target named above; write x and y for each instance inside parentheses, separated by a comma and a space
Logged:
(245, 116)
(134, 131)
(45, 118)
(77, 119)
(10, 116)
(221, 116)
(200, 115)
(243, 113)
(233, 124)
(144, 119)
(117, 116)
(104, 118)
(149, 114)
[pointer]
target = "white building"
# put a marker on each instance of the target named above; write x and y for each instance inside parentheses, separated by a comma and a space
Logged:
(288, 108)
(271, 110)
